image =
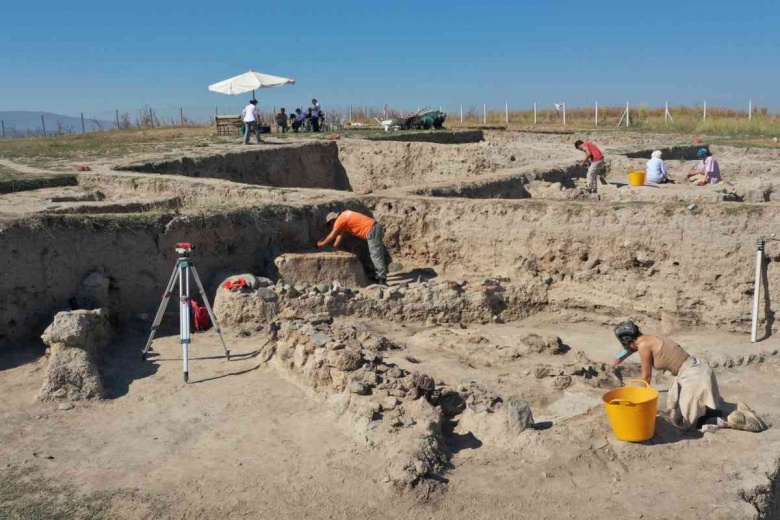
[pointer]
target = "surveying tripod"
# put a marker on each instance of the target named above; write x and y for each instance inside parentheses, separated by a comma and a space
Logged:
(181, 272)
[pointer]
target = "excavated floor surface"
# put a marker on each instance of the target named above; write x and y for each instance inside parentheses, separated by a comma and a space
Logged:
(245, 440)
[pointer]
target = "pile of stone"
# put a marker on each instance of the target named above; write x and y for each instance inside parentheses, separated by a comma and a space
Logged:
(394, 409)
(260, 301)
(75, 340)
(597, 375)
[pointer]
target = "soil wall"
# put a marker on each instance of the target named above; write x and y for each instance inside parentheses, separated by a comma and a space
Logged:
(677, 265)
(441, 137)
(304, 165)
(42, 262)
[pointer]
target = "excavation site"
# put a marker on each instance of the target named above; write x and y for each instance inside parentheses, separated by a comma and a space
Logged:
(470, 383)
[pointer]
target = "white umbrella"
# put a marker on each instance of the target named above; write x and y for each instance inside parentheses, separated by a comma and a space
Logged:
(249, 81)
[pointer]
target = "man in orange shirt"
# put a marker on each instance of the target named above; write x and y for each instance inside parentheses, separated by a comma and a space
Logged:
(361, 226)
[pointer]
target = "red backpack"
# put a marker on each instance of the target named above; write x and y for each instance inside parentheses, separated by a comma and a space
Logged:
(200, 317)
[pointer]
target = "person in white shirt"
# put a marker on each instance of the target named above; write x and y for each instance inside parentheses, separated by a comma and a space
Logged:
(299, 117)
(251, 117)
(656, 170)
(315, 115)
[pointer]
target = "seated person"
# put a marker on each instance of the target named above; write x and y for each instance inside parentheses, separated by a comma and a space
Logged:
(299, 119)
(707, 171)
(656, 170)
(281, 121)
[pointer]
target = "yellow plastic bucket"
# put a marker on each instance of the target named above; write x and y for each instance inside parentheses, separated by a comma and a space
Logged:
(631, 411)
(636, 178)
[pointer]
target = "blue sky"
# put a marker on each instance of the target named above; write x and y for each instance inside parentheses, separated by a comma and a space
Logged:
(91, 56)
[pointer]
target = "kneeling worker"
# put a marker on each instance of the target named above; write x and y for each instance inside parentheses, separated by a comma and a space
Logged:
(694, 398)
(361, 226)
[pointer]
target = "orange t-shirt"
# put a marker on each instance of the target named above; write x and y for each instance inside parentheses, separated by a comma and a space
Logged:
(354, 223)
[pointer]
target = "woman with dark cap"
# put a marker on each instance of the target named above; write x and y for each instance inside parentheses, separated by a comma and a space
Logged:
(707, 171)
(693, 399)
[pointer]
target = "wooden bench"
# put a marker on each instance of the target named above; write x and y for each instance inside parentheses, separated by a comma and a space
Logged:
(227, 125)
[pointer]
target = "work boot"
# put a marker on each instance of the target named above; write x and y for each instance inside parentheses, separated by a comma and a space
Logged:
(748, 411)
(739, 420)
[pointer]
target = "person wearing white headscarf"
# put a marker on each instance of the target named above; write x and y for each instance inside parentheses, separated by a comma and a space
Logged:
(656, 170)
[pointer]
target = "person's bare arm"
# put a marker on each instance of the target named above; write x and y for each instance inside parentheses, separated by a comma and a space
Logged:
(334, 235)
(646, 356)
(588, 156)
(339, 238)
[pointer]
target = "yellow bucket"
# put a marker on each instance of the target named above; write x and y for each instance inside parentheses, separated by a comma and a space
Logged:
(631, 411)
(636, 178)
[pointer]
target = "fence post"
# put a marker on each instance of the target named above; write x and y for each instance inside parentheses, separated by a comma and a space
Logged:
(705, 111)
(117, 119)
(461, 113)
(484, 114)
(564, 113)
(534, 112)
(506, 111)
(2, 124)
(750, 110)
(181, 116)
(350, 113)
(597, 113)
(43, 125)
(365, 113)
(83, 130)
(628, 116)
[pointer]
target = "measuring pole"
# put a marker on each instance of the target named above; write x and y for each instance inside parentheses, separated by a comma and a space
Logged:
(43, 125)
(461, 113)
(534, 112)
(82, 123)
(597, 113)
(750, 110)
(705, 110)
(757, 289)
(484, 114)
(564, 113)
(506, 111)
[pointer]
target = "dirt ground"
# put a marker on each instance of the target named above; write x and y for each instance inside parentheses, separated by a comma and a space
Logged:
(250, 439)
(240, 441)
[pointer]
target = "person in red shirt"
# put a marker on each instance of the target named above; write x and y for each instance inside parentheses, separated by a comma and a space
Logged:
(594, 160)
(361, 226)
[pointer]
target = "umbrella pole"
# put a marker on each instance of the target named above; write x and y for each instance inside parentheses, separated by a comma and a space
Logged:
(253, 95)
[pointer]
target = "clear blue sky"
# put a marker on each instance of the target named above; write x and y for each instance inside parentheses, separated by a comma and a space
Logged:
(94, 56)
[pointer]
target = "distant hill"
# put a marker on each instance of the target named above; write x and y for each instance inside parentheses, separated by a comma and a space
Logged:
(29, 123)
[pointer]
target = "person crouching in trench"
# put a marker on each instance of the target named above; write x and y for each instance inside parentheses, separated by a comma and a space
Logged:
(693, 399)
(361, 226)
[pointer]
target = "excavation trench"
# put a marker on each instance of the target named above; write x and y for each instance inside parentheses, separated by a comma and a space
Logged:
(610, 259)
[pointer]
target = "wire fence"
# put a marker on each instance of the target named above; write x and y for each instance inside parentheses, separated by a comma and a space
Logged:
(752, 120)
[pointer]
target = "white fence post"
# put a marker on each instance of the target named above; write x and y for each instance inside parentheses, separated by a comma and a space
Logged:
(534, 112)
(461, 113)
(750, 110)
(484, 114)
(597, 113)
(564, 113)
(506, 111)
(628, 115)
(705, 111)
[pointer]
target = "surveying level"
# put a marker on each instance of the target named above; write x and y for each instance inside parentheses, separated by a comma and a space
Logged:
(181, 273)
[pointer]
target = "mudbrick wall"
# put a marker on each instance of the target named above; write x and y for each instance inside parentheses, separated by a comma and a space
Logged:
(676, 263)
